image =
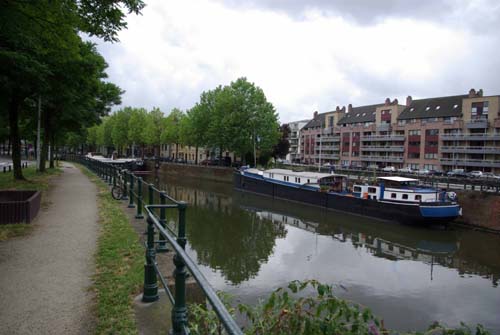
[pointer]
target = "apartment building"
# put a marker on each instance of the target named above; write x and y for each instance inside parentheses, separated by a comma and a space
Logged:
(293, 138)
(441, 133)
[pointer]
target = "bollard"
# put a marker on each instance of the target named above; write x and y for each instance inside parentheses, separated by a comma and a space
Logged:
(139, 199)
(110, 174)
(131, 191)
(114, 176)
(150, 292)
(150, 194)
(162, 245)
(179, 312)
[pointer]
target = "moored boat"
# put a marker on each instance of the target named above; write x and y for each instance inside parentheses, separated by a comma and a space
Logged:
(388, 198)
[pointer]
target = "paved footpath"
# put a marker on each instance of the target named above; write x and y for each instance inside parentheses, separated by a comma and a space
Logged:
(45, 276)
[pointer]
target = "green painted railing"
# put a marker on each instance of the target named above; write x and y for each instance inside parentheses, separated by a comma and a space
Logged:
(132, 184)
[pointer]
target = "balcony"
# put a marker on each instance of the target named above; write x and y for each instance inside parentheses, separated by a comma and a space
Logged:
(391, 159)
(394, 148)
(477, 124)
(329, 156)
(399, 138)
(470, 150)
(471, 137)
(384, 127)
(330, 138)
(470, 162)
(323, 147)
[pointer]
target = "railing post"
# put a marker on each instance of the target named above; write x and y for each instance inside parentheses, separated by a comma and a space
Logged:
(114, 175)
(150, 194)
(150, 292)
(139, 199)
(110, 174)
(124, 184)
(162, 245)
(179, 312)
(131, 191)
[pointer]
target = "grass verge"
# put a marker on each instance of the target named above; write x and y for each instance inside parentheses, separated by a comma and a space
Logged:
(34, 181)
(119, 265)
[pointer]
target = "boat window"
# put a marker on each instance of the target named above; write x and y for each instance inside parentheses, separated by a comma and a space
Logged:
(418, 197)
(405, 196)
(390, 247)
(393, 195)
(374, 197)
(372, 190)
(298, 180)
(357, 189)
(401, 250)
(284, 178)
(308, 181)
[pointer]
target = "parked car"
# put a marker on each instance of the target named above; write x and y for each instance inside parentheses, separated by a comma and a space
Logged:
(423, 172)
(457, 173)
(389, 169)
(436, 173)
(406, 169)
(476, 174)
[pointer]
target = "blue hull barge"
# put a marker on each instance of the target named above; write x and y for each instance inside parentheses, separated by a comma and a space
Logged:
(389, 198)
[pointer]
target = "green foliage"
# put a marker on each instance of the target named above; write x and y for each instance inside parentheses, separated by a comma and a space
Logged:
(136, 125)
(155, 125)
(172, 127)
(309, 308)
(282, 147)
(119, 133)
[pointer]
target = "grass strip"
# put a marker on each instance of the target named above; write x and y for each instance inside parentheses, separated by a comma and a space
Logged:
(34, 181)
(119, 265)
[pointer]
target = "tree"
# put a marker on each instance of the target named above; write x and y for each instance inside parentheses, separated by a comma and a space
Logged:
(136, 128)
(282, 147)
(172, 129)
(195, 126)
(36, 38)
(119, 133)
(155, 125)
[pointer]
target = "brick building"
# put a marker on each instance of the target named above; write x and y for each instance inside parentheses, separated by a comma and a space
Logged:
(441, 133)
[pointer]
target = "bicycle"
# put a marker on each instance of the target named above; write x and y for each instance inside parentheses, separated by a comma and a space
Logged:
(117, 191)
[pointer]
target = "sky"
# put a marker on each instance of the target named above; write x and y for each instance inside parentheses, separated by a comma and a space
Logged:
(307, 55)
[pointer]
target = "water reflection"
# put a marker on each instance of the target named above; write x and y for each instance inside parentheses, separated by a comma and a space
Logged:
(249, 245)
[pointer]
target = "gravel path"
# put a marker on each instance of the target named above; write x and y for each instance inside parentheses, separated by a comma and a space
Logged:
(45, 276)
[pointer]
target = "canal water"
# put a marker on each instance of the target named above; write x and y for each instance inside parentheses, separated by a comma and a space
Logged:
(248, 246)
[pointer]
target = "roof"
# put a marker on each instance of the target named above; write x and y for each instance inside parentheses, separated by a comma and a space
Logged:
(397, 179)
(433, 107)
(317, 121)
(360, 114)
(298, 174)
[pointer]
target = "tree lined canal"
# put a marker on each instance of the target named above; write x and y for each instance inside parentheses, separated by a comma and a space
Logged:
(248, 245)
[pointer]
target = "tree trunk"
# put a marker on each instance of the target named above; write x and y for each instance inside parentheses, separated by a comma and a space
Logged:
(14, 107)
(53, 147)
(46, 139)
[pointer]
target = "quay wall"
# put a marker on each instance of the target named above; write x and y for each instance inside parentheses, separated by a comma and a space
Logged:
(212, 173)
(481, 210)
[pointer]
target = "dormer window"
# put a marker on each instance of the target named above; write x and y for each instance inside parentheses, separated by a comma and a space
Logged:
(412, 109)
(427, 108)
(357, 115)
(437, 107)
(455, 106)
(364, 114)
(373, 113)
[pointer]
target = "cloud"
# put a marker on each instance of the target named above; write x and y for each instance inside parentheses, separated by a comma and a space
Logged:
(177, 49)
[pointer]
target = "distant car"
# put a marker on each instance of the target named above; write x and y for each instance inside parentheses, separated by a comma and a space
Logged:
(423, 172)
(389, 169)
(406, 169)
(457, 173)
(476, 174)
(436, 172)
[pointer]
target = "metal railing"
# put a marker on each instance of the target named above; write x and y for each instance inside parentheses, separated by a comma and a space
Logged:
(157, 226)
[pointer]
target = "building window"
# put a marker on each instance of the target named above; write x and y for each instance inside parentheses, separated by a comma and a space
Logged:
(430, 156)
(480, 110)
(431, 132)
(413, 155)
(414, 132)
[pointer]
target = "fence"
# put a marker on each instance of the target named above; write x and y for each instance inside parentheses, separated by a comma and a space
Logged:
(157, 227)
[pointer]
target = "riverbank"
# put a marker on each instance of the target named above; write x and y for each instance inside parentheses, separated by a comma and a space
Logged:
(119, 265)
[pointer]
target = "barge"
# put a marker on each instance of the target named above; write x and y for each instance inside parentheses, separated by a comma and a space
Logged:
(388, 198)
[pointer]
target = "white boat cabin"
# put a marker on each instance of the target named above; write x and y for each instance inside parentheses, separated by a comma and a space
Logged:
(294, 177)
(398, 189)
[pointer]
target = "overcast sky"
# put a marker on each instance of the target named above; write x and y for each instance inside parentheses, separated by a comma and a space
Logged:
(307, 55)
